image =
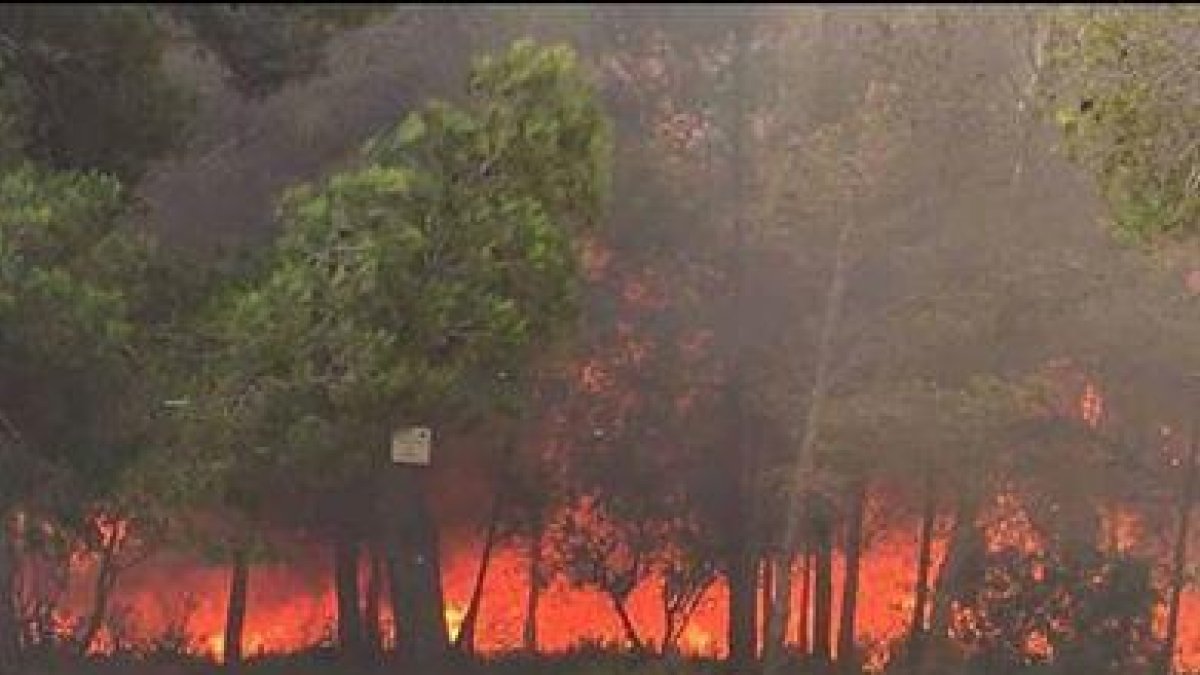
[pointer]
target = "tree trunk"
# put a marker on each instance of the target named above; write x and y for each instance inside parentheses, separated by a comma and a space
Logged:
(741, 570)
(823, 596)
(804, 630)
(742, 579)
(106, 578)
(631, 634)
(916, 629)
(349, 617)
(235, 613)
(529, 640)
(669, 648)
(778, 611)
(963, 546)
(415, 575)
(766, 595)
(372, 616)
(10, 640)
(465, 640)
(1179, 555)
(847, 645)
(805, 467)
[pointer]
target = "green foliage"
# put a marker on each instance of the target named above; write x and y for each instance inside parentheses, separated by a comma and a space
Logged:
(84, 87)
(69, 287)
(1122, 86)
(419, 286)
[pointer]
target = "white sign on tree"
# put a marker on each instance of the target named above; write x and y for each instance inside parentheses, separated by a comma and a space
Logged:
(412, 446)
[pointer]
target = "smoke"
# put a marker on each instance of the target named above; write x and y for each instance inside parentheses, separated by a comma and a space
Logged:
(974, 197)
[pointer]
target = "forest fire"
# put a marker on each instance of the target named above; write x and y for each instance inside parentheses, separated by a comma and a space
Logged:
(292, 606)
(616, 340)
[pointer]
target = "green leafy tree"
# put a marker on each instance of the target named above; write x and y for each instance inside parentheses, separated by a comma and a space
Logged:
(70, 292)
(416, 289)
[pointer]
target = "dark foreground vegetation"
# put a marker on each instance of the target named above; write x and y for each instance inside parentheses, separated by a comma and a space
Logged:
(581, 662)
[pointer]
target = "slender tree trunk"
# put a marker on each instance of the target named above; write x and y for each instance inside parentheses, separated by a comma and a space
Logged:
(847, 645)
(805, 466)
(1179, 555)
(465, 641)
(766, 595)
(349, 615)
(106, 578)
(823, 595)
(779, 609)
(415, 575)
(960, 550)
(235, 613)
(372, 613)
(668, 638)
(741, 570)
(741, 579)
(631, 634)
(916, 629)
(10, 639)
(529, 639)
(804, 630)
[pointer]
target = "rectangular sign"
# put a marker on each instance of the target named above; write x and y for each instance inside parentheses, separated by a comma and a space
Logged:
(412, 446)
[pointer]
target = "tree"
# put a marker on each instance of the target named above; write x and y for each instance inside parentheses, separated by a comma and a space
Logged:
(427, 275)
(1122, 83)
(1090, 613)
(88, 87)
(69, 306)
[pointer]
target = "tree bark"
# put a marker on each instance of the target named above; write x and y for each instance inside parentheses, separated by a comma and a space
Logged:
(10, 640)
(916, 629)
(349, 616)
(1179, 554)
(823, 596)
(847, 646)
(415, 575)
(529, 635)
(235, 612)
